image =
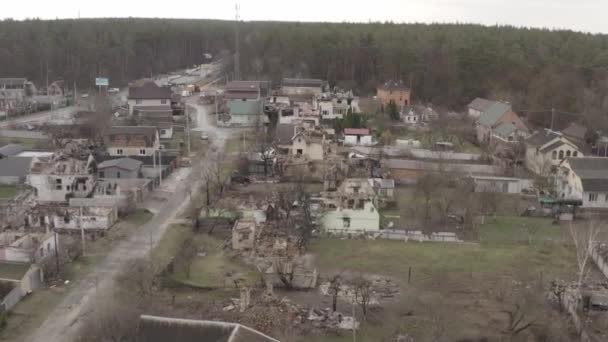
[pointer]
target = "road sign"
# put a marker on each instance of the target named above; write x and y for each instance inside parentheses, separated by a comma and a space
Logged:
(102, 81)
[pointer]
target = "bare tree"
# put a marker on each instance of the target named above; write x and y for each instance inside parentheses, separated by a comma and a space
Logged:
(363, 293)
(426, 187)
(139, 278)
(584, 238)
(517, 320)
(187, 255)
(335, 283)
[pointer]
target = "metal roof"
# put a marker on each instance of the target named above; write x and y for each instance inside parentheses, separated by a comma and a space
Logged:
(153, 329)
(505, 129)
(284, 133)
(481, 104)
(121, 163)
(150, 91)
(542, 137)
(356, 131)
(491, 116)
(10, 150)
(15, 166)
(593, 172)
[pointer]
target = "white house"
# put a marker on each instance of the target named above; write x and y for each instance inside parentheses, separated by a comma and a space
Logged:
(357, 136)
(412, 115)
(355, 220)
(546, 149)
(132, 140)
(584, 179)
(148, 94)
(62, 178)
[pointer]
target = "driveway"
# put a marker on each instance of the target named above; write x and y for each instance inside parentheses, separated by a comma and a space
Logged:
(66, 319)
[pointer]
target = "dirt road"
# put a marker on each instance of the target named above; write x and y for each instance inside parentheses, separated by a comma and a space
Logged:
(64, 322)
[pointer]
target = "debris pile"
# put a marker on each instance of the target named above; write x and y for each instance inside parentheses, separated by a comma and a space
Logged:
(263, 314)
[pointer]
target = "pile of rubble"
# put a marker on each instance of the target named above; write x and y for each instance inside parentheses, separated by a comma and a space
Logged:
(382, 288)
(295, 313)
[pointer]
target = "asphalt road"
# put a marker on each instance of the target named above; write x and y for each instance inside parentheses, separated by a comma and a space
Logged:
(64, 322)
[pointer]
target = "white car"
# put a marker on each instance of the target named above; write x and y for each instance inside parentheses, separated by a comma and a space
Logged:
(204, 136)
(113, 90)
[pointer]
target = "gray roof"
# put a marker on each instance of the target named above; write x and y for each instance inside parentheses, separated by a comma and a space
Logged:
(162, 329)
(284, 133)
(15, 166)
(505, 129)
(491, 116)
(552, 146)
(481, 104)
(10, 150)
(542, 137)
(150, 91)
(12, 81)
(575, 131)
(394, 85)
(302, 82)
(121, 163)
(593, 172)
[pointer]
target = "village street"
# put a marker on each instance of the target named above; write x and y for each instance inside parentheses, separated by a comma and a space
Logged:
(64, 322)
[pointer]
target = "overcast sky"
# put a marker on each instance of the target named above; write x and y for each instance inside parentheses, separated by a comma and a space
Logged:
(579, 15)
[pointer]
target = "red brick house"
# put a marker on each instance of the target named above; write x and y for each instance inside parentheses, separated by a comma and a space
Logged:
(395, 91)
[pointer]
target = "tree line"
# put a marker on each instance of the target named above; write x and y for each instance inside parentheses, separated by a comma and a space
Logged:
(447, 64)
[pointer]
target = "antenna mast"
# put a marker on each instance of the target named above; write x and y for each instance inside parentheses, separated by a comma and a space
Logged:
(237, 54)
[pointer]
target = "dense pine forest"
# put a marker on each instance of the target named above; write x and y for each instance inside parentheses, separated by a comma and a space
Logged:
(447, 64)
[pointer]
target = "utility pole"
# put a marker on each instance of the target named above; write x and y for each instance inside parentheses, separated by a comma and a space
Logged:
(56, 253)
(154, 167)
(552, 117)
(81, 231)
(188, 128)
(160, 168)
(237, 57)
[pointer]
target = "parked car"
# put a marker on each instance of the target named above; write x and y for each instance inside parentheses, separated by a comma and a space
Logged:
(113, 90)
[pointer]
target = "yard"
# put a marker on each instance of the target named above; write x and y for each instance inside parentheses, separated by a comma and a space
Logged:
(8, 191)
(460, 289)
(210, 267)
(428, 139)
(28, 143)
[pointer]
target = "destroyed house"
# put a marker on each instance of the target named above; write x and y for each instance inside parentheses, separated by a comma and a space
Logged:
(394, 91)
(60, 178)
(132, 140)
(72, 218)
(302, 86)
(19, 247)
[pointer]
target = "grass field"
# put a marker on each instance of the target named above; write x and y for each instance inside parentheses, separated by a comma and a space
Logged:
(28, 143)
(462, 278)
(211, 266)
(8, 191)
